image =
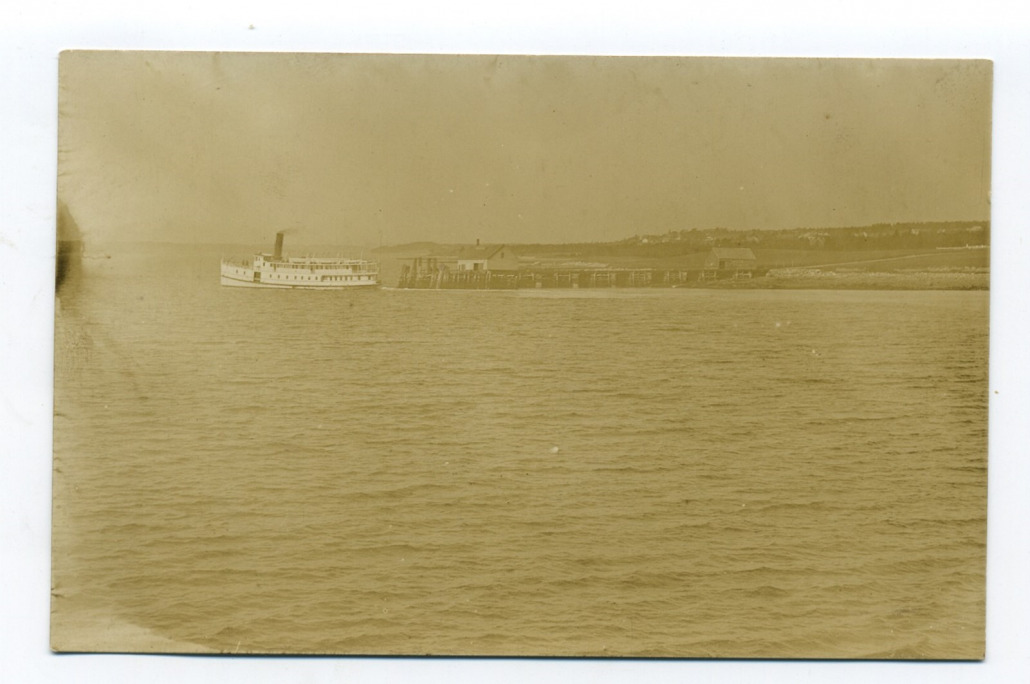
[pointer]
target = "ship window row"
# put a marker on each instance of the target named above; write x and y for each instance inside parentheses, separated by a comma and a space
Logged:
(310, 267)
(321, 278)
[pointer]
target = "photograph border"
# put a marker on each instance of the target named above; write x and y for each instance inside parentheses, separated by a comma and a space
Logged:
(26, 530)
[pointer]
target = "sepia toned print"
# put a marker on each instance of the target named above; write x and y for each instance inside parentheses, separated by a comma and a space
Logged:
(521, 355)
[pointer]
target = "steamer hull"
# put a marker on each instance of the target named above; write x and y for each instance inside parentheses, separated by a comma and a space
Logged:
(274, 271)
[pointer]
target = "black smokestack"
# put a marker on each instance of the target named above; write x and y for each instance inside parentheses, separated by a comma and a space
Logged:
(278, 254)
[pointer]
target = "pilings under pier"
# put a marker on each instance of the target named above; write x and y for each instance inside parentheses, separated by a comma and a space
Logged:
(427, 273)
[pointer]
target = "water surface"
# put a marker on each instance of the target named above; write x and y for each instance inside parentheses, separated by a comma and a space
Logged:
(595, 472)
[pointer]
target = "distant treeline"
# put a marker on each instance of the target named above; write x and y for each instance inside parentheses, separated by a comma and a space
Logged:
(881, 236)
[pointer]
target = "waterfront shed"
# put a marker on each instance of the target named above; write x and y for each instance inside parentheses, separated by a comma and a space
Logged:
(740, 260)
(488, 258)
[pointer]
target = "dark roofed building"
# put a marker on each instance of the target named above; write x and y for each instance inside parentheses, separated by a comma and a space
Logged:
(740, 260)
(487, 258)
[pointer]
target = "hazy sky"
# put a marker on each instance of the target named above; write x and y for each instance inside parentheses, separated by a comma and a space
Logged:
(231, 147)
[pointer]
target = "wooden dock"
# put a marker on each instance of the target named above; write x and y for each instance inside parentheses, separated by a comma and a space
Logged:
(428, 273)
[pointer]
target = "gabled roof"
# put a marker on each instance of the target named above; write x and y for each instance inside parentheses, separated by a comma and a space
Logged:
(733, 253)
(478, 252)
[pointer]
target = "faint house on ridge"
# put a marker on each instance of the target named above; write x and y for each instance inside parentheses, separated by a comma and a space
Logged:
(814, 239)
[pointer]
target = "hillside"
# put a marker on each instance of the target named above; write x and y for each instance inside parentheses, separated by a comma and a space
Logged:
(773, 248)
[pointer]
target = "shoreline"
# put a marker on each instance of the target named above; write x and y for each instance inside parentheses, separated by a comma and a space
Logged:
(782, 280)
(834, 280)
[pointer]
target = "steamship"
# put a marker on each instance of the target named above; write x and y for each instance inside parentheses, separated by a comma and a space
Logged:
(310, 273)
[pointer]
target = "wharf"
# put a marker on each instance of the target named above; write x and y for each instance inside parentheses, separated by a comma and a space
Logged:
(429, 274)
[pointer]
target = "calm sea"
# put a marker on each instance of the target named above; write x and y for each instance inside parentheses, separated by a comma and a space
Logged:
(594, 472)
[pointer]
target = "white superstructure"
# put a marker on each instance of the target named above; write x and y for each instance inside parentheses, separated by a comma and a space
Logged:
(313, 273)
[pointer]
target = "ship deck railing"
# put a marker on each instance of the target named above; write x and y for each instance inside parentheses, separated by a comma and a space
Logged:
(369, 267)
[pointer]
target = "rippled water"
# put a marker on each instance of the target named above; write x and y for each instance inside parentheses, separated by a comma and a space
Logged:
(618, 472)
